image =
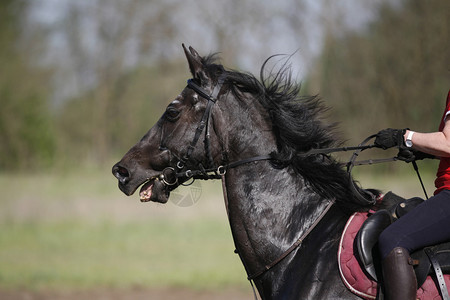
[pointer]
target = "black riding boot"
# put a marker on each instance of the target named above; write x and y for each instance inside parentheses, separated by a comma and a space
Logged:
(398, 275)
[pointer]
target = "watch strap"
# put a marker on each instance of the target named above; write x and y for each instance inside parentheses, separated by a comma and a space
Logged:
(409, 138)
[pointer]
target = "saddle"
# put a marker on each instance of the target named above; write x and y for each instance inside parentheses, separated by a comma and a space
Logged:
(361, 270)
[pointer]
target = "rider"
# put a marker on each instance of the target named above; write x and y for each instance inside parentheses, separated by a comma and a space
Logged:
(428, 223)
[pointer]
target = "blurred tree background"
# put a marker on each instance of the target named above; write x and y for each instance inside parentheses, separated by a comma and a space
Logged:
(395, 73)
(82, 81)
(26, 123)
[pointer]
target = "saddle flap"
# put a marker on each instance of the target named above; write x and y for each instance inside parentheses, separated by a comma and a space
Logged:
(367, 238)
(406, 206)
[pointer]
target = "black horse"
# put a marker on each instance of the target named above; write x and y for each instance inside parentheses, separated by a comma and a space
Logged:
(287, 208)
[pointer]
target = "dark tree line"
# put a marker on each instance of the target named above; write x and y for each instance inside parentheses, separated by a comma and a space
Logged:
(119, 63)
(26, 133)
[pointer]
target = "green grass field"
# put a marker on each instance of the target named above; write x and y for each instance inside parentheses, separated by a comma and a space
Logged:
(78, 231)
(194, 254)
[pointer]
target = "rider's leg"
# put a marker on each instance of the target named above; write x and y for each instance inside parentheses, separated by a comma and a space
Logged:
(427, 224)
(398, 276)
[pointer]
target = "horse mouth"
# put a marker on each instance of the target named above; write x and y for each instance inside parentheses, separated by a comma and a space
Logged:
(146, 191)
(154, 190)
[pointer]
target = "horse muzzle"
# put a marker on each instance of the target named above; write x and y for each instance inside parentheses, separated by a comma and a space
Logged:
(153, 188)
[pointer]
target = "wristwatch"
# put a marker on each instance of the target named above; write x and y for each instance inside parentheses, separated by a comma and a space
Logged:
(408, 141)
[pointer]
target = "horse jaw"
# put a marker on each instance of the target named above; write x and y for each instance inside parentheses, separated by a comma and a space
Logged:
(154, 190)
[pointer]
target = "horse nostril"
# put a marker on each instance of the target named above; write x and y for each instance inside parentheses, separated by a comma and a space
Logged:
(121, 173)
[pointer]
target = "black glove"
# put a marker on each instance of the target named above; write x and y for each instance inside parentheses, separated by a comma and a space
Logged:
(409, 155)
(388, 138)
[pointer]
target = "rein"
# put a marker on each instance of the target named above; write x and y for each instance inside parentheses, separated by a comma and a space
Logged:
(294, 246)
(170, 176)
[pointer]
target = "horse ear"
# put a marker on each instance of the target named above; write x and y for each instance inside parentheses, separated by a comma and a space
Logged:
(195, 64)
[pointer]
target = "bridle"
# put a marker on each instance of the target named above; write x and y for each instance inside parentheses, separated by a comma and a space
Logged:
(170, 175)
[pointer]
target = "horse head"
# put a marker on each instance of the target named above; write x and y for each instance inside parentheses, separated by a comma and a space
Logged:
(168, 152)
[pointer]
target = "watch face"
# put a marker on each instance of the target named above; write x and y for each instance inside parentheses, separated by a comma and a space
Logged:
(408, 143)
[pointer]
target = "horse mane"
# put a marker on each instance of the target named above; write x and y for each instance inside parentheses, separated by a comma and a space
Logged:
(299, 125)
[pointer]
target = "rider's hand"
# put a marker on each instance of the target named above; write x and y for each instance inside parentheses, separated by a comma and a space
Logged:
(388, 138)
(409, 155)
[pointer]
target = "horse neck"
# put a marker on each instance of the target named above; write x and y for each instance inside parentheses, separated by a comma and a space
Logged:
(268, 211)
(268, 208)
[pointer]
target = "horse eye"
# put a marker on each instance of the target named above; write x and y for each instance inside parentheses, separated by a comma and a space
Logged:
(172, 114)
